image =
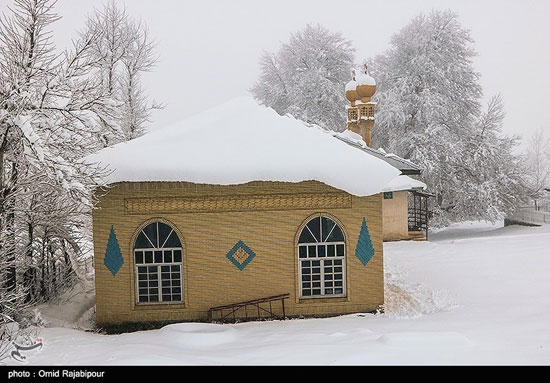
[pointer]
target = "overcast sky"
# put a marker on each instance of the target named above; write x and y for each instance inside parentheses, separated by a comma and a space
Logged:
(209, 50)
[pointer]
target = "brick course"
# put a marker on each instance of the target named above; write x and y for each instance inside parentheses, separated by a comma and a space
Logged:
(210, 279)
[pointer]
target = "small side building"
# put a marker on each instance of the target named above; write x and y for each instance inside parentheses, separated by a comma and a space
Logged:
(236, 204)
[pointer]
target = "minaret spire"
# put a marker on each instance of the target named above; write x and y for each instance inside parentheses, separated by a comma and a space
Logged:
(361, 112)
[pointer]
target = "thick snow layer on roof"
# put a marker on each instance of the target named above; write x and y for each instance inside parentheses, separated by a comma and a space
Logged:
(404, 183)
(239, 142)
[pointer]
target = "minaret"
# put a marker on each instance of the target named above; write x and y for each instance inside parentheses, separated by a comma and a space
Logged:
(361, 112)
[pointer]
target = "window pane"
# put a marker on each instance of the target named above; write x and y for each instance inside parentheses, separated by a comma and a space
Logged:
(151, 233)
(340, 250)
(315, 226)
(139, 256)
(177, 255)
(158, 256)
(331, 249)
(312, 251)
(327, 226)
(302, 250)
(142, 242)
(164, 231)
(148, 257)
(173, 240)
(316, 292)
(154, 298)
(177, 298)
(336, 236)
(167, 256)
(321, 250)
(306, 237)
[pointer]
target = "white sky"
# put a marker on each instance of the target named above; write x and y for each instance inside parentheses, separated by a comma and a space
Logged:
(209, 50)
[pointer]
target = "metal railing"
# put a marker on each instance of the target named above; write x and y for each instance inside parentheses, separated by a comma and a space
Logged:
(260, 306)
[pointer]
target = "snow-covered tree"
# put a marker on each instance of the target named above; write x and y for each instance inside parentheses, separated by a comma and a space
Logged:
(537, 164)
(306, 77)
(429, 110)
(123, 51)
(52, 113)
(55, 109)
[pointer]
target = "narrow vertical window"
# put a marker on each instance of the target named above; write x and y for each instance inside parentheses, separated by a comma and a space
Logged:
(321, 257)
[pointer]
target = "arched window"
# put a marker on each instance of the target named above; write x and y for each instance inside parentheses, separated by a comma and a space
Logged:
(321, 257)
(158, 264)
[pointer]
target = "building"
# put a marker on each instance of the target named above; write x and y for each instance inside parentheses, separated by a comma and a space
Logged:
(405, 199)
(234, 205)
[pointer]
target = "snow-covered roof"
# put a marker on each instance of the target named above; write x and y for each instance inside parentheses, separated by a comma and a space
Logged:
(405, 166)
(239, 142)
(404, 183)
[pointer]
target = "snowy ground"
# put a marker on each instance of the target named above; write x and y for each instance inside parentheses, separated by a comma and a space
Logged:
(474, 294)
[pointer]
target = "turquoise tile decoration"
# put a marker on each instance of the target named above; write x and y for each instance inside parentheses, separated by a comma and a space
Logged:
(113, 257)
(240, 255)
(364, 250)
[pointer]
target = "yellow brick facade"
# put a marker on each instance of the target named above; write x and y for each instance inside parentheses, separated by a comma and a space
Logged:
(267, 216)
(396, 216)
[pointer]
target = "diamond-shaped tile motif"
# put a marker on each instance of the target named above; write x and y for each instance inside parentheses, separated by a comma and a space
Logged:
(240, 255)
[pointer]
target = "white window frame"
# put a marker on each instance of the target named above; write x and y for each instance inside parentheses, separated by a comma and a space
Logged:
(322, 261)
(159, 266)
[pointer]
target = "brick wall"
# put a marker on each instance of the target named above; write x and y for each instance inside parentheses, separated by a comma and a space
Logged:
(209, 228)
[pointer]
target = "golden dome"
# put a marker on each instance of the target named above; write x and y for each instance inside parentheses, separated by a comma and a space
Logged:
(351, 92)
(366, 86)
